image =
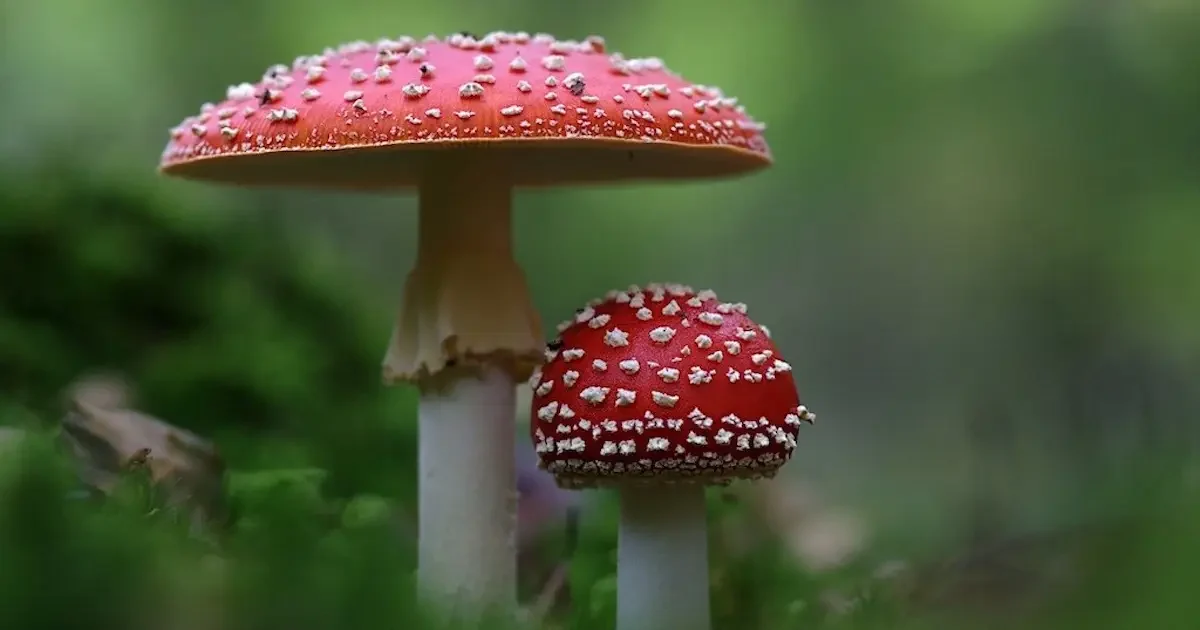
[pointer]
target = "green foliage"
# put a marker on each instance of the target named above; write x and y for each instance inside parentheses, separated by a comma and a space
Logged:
(223, 330)
(116, 564)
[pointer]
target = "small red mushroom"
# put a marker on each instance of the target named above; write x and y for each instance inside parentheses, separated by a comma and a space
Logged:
(659, 392)
(464, 120)
(664, 384)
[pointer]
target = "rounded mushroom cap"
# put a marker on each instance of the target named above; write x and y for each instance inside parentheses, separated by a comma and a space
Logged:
(663, 384)
(365, 116)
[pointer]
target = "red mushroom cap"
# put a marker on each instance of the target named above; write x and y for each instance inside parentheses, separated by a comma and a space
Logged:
(663, 383)
(363, 115)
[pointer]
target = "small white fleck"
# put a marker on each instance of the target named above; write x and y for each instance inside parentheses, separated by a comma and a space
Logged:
(571, 354)
(664, 400)
(240, 92)
(524, 86)
(662, 334)
(599, 321)
(414, 90)
(616, 338)
(712, 319)
(554, 63)
(547, 412)
(517, 65)
(672, 308)
(352, 95)
(669, 375)
(511, 110)
(703, 341)
(626, 397)
(483, 62)
(470, 89)
(570, 377)
(433, 112)
(594, 395)
(574, 83)
(630, 366)
(599, 365)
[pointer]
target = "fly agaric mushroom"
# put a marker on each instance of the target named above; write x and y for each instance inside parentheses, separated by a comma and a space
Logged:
(464, 121)
(659, 392)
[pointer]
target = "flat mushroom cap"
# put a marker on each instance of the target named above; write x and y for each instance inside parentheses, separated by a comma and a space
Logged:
(663, 384)
(368, 116)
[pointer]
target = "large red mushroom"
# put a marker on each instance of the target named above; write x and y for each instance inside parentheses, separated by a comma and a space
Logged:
(659, 392)
(464, 121)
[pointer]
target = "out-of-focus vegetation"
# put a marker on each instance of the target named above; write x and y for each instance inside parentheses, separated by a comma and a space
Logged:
(977, 248)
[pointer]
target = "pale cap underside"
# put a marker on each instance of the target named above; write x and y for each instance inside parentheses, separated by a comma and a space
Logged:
(571, 480)
(527, 162)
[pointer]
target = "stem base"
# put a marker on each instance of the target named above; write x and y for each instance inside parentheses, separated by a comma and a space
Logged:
(662, 558)
(467, 517)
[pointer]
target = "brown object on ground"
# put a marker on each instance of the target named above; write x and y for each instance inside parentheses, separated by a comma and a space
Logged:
(106, 441)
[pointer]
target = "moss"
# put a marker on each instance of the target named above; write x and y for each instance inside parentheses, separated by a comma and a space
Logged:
(224, 330)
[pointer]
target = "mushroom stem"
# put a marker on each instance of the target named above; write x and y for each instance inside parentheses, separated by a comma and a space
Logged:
(662, 558)
(466, 545)
(467, 332)
(466, 304)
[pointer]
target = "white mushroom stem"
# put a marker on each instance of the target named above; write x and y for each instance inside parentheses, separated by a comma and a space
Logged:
(662, 558)
(467, 332)
(466, 298)
(467, 519)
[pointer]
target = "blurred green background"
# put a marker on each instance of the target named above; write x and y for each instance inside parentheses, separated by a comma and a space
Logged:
(977, 247)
